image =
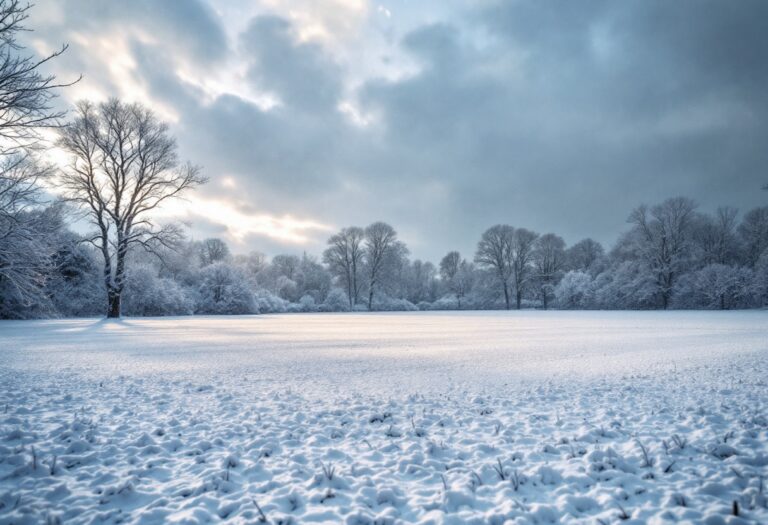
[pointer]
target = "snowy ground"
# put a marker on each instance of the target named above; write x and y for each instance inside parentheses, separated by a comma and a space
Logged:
(532, 417)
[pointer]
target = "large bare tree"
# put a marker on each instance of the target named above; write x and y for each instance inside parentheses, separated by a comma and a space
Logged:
(523, 244)
(344, 256)
(548, 262)
(380, 243)
(26, 106)
(124, 166)
(663, 239)
(494, 252)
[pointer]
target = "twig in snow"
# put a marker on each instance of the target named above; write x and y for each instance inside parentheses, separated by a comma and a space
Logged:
(499, 470)
(623, 514)
(516, 480)
(328, 471)
(681, 443)
(648, 461)
(262, 516)
(477, 477)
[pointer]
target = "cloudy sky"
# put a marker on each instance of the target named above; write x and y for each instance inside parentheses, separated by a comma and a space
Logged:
(440, 117)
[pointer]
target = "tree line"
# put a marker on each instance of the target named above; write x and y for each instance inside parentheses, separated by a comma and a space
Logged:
(671, 256)
(123, 164)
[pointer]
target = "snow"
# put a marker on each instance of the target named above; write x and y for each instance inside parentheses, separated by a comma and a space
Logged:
(449, 417)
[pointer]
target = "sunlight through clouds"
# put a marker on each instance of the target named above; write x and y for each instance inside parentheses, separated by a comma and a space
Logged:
(239, 224)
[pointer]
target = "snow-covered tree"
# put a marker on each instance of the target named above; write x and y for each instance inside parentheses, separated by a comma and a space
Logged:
(124, 165)
(336, 301)
(523, 244)
(574, 291)
(381, 247)
(626, 285)
(26, 97)
(224, 289)
(716, 237)
(26, 236)
(212, 251)
(662, 239)
(753, 231)
(548, 263)
(146, 294)
(585, 255)
(73, 283)
(717, 286)
(344, 257)
(457, 276)
(495, 253)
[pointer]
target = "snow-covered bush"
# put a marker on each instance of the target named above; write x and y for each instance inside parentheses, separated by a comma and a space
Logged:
(146, 294)
(224, 289)
(446, 302)
(76, 288)
(269, 303)
(307, 303)
(716, 286)
(336, 301)
(629, 284)
(574, 291)
(388, 304)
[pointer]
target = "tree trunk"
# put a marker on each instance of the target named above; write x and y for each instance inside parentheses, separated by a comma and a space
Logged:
(506, 295)
(113, 310)
(370, 298)
(519, 299)
(544, 297)
(349, 291)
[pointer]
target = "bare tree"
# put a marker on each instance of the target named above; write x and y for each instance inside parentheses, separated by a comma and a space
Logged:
(380, 243)
(457, 274)
(253, 262)
(26, 94)
(548, 261)
(286, 265)
(26, 97)
(25, 231)
(124, 166)
(494, 251)
(344, 256)
(584, 254)
(462, 282)
(523, 243)
(753, 231)
(717, 238)
(212, 250)
(449, 266)
(664, 235)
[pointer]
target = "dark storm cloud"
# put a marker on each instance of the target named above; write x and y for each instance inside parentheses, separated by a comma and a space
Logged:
(596, 108)
(300, 73)
(557, 116)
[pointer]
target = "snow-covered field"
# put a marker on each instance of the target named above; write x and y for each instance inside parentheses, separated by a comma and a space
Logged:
(492, 417)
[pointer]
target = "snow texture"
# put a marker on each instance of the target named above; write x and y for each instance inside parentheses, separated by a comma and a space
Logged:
(492, 417)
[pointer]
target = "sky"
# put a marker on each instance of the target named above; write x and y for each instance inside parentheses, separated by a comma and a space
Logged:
(440, 117)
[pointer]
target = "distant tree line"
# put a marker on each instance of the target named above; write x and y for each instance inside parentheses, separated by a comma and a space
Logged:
(671, 256)
(123, 165)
